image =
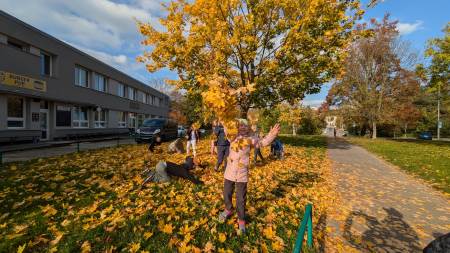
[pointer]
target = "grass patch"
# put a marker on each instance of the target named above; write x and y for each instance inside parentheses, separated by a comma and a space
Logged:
(93, 201)
(429, 160)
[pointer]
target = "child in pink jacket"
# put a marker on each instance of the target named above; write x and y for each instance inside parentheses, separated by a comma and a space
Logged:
(236, 172)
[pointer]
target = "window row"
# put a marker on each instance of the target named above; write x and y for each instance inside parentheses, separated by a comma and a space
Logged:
(101, 84)
(72, 116)
(77, 117)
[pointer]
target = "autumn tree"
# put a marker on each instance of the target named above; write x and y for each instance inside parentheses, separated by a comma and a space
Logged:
(405, 113)
(373, 70)
(437, 74)
(290, 115)
(258, 52)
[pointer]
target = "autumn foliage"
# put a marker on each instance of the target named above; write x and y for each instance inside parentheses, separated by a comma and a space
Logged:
(93, 202)
(283, 49)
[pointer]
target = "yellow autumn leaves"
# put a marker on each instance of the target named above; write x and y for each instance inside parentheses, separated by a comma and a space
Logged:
(99, 206)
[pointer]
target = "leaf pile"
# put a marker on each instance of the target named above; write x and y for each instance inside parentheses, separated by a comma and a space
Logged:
(93, 202)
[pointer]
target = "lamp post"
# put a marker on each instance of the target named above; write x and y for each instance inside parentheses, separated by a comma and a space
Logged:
(439, 124)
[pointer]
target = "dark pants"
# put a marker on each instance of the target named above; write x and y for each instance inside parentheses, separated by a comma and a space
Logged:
(222, 155)
(257, 152)
(241, 196)
(179, 171)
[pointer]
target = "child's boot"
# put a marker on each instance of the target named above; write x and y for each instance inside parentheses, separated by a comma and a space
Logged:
(223, 216)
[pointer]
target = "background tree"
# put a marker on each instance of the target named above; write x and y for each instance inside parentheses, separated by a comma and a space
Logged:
(405, 113)
(268, 51)
(372, 84)
(436, 76)
(290, 115)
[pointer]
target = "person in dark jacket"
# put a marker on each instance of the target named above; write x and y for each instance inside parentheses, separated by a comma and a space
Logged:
(165, 169)
(223, 146)
(156, 140)
(192, 137)
(276, 149)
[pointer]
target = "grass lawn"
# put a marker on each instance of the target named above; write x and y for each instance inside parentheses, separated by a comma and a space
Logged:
(429, 160)
(93, 202)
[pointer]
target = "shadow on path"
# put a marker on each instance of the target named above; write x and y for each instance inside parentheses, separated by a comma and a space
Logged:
(392, 234)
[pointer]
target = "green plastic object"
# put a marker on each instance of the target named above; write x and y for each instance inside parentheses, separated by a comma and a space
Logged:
(305, 224)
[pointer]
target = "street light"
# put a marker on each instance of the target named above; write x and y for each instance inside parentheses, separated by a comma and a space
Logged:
(439, 123)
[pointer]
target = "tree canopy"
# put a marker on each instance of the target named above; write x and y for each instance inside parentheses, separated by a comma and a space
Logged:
(375, 79)
(262, 52)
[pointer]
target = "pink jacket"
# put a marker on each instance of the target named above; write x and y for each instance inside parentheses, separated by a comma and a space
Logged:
(238, 162)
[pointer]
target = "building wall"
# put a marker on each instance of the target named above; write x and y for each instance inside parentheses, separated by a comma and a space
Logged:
(3, 112)
(61, 88)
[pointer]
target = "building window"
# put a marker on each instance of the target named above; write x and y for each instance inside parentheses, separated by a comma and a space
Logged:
(121, 90)
(147, 99)
(131, 93)
(63, 116)
(81, 77)
(17, 44)
(46, 64)
(153, 100)
(100, 82)
(122, 119)
(144, 97)
(100, 119)
(16, 112)
(132, 120)
(80, 117)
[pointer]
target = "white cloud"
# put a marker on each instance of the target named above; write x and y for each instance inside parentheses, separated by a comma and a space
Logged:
(407, 28)
(314, 103)
(91, 23)
(104, 29)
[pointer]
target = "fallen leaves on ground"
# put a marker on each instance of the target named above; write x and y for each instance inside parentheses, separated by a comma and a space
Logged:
(93, 202)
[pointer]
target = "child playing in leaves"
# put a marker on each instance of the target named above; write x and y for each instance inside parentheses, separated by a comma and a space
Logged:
(236, 172)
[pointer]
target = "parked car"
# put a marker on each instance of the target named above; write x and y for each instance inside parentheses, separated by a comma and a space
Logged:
(168, 128)
(181, 131)
(425, 136)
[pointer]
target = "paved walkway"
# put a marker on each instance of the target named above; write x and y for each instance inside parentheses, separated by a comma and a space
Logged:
(383, 209)
(56, 151)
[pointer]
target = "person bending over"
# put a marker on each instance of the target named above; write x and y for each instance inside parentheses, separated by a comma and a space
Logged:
(163, 170)
(156, 140)
(276, 149)
(176, 146)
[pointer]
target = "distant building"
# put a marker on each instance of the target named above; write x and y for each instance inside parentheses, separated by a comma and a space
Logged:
(49, 89)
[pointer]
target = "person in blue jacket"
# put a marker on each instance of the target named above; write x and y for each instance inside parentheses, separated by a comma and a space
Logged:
(276, 149)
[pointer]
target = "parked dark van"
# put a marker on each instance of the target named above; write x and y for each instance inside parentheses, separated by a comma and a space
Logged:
(168, 128)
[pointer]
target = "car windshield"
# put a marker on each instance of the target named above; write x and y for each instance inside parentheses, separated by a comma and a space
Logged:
(153, 123)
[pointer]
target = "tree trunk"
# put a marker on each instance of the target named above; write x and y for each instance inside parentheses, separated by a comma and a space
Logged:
(406, 126)
(374, 130)
(294, 131)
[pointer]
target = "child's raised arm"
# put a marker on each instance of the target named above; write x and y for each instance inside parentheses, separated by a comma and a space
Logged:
(273, 133)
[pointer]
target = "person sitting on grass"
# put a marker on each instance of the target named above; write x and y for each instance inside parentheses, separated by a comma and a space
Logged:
(156, 140)
(163, 170)
(176, 146)
(276, 149)
(236, 172)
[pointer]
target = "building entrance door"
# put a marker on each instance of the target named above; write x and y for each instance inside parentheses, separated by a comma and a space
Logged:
(43, 119)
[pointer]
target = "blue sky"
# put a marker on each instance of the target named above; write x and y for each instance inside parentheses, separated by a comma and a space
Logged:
(106, 28)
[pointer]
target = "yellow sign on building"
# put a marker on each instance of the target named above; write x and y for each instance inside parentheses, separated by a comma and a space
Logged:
(25, 82)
